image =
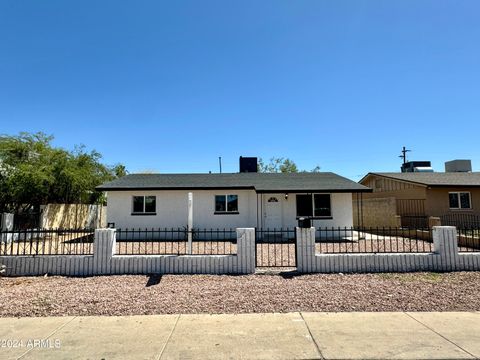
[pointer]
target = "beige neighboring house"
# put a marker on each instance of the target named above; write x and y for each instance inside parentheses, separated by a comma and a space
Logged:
(454, 197)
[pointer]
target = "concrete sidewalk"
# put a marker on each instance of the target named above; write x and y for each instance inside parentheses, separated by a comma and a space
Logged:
(247, 336)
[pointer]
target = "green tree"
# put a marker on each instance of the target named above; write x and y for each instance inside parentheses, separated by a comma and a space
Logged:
(120, 170)
(276, 165)
(280, 165)
(33, 172)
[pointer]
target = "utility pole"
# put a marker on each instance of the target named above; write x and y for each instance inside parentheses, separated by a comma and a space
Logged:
(404, 154)
(220, 163)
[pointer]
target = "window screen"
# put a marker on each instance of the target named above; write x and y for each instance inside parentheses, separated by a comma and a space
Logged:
(150, 204)
(220, 203)
(465, 200)
(232, 203)
(138, 204)
(304, 205)
(322, 205)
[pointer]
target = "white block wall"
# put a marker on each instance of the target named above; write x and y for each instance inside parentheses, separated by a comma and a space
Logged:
(444, 258)
(105, 262)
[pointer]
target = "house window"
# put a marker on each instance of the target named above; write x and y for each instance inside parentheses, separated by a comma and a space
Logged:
(144, 205)
(316, 205)
(460, 200)
(226, 204)
(322, 206)
(304, 205)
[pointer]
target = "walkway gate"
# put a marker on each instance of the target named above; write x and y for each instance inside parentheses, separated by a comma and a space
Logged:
(275, 248)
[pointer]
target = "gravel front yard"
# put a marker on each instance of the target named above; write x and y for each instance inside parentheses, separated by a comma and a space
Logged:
(131, 295)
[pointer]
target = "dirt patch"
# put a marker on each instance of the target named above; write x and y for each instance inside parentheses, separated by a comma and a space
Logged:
(131, 295)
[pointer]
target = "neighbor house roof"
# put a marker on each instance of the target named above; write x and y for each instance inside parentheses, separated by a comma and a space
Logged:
(434, 179)
(261, 182)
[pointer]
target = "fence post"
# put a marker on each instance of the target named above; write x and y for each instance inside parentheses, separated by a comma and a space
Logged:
(305, 249)
(434, 221)
(103, 250)
(397, 219)
(246, 250)
(446, 246)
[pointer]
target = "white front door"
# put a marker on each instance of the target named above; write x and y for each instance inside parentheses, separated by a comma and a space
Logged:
(273, 212)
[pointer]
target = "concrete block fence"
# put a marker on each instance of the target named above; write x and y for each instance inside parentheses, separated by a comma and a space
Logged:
(445, 257)
(104, 261)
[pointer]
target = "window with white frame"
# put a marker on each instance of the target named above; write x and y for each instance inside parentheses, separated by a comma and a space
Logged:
(226, 204)
(460, 200)
(316, 205)
(144, 205)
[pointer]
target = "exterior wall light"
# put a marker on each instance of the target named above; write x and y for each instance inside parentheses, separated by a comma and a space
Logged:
(286, 196)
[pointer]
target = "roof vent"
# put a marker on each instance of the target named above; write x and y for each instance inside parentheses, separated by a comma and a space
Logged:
(248, 164)
(458, 166)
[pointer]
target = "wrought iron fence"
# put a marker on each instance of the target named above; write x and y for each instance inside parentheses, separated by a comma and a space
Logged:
(461, 220)
(275, 247)
(414, 221)
(175, 241)
(373, 240)
(46, 242)
(468, 239)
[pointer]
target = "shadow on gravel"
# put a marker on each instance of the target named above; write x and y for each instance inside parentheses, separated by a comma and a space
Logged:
(153, 280)
(290, 274)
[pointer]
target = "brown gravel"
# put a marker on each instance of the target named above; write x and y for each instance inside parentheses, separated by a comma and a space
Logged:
(129, 295)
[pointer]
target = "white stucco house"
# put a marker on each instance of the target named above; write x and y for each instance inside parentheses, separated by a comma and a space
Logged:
(261, 200)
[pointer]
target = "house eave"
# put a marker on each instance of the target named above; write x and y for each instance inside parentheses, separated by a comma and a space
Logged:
(422, 184)
(453, 186)
(265, 191)
(150, 188)
(393, 178)
(309, 191)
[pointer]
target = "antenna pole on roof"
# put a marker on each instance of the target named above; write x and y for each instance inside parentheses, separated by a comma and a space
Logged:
(220, 163)
(404, 154)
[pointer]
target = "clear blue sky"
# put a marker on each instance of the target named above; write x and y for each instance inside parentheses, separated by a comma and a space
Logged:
(171, 85)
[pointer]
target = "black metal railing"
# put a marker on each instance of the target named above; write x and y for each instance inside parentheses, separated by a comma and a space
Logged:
(468, 239)
(373, 240)
(414, 221)
(26, 221)
(275, 247)
(461, 220)
(175, 241)
(47, 242)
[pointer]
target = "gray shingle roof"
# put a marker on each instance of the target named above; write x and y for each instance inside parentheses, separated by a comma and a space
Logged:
(436, 179)
(261, 182)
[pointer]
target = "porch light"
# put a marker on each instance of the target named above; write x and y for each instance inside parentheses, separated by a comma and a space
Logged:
(286, 196)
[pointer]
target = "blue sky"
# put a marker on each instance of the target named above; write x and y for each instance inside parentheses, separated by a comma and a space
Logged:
(171, 85)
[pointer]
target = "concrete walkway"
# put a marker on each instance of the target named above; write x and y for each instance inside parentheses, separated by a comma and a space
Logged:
(246, 336)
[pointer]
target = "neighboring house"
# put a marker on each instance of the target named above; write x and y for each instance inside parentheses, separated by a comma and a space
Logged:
(262, 200)
(452, 196)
